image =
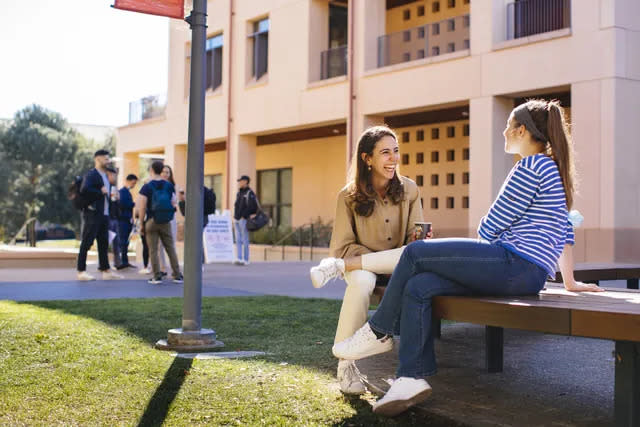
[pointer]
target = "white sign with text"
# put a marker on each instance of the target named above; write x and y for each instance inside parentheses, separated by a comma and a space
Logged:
(218, 239)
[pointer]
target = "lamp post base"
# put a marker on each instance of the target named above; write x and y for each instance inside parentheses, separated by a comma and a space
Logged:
(189, 341)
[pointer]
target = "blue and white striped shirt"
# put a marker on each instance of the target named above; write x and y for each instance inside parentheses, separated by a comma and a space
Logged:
(529, 217)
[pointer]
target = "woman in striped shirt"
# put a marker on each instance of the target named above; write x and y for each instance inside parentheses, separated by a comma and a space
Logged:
(525, 234)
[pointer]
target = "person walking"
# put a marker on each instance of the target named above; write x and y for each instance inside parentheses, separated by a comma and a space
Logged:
(156, 201)
(95, 189)
(525, 235)
(245, 207)
(125, 218)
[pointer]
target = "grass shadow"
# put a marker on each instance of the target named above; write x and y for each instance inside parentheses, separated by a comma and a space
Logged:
(158, 407)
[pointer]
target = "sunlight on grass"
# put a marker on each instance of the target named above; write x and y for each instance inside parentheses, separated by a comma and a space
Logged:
(92, 362)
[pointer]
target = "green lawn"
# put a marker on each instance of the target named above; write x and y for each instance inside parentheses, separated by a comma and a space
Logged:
(92, 363)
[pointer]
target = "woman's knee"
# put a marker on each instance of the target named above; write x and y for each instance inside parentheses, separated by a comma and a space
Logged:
(362, 280)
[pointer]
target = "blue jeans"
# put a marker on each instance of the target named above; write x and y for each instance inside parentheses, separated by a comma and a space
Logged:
(242, 240)
(445, 267)
(124, 232)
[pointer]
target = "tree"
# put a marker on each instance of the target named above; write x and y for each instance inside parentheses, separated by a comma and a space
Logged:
(41, 153)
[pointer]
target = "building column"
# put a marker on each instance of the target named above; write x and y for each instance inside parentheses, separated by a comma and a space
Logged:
(175, 155)
(130, 164)
(489, 164)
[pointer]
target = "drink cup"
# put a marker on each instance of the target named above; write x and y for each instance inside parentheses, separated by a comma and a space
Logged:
(422, 229)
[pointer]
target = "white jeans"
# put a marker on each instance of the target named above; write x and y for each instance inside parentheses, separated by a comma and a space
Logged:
(360, 285)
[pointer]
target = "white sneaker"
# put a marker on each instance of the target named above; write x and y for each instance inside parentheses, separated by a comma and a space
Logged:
(329, 268)
(84, 276)
(404, 393)
(349, 378)
(145, 270)
(110, 275)
(363, 343)
(246, 262)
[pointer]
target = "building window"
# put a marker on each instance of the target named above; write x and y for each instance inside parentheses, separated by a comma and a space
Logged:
(435, 51)
(419, 158)
(451, 155)
(421, 202)
(435, 133)
(451, 131)
(214, 182)
(419, 180)
(420, 10)
(406, 57)
(451, 47)
(451, 25)
(405, 159)
(450, 179)
(214, 62)
(405, 136)
(435, 7)
(275, 195)
(260, 48)
(406, 14)
(451, 4)
(406, 36)
(450, 203)
(465, 177)
(434, 180)
(466, 44)
(420, 32)
(466, 1)
(420, 54)
(466, 21)
(434, 203)
(435, 157)
(465, 130)
(420, 135)
(465, 154)
(465, 202)
(435, 29)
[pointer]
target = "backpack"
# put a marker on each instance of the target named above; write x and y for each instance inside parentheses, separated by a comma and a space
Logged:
(209, 201)
(161, 205)
(74, 195)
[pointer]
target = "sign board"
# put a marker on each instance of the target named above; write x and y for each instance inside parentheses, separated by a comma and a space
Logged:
(168, 8)
(218, 239)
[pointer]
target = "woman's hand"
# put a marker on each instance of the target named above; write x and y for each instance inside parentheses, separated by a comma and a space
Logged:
(414, 236)
(574, 286)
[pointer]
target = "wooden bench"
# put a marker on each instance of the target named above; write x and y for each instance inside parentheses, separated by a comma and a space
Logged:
(612, 315)
(595, 272)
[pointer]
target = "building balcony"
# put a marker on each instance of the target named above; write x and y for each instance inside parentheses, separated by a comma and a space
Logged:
(333, 62)
(147, 108)
(437, 38)
(529, 17)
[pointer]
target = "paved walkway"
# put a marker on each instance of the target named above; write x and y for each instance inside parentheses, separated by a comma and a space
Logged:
(263, 278)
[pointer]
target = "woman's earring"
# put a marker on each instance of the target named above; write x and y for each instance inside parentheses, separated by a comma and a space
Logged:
(369, 168)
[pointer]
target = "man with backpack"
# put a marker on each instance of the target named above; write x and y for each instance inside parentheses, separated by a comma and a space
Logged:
(157, 201)
(93, 199)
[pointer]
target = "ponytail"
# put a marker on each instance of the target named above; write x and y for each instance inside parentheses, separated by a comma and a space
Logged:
(545, 122)
(561, 149)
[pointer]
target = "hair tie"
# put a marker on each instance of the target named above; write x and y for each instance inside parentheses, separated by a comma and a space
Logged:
(523, 116)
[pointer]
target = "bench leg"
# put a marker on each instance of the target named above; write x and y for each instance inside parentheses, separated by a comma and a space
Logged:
(627, 384)
(494, 342)
(632, 283)
(436, 327)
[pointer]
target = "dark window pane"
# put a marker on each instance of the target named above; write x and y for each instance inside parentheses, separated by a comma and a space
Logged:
(435, 157)
(420, 10)
(405, 136)
(420, 54)
(420, 158)
(268, 187)
(406, 14)
(420, 135)
(450, 204)
(421, 32)
(434, 179)
(451, 4)
(465, 202)
(435, 6)
(420, 180)
(435, 133)
(286, 192)
(451, 131)
(465, 178)
(434, 203)
(451, 25)
(451, 47)
(450, 179)
(465, 154)
(465, 130)
(406, 57)
(451, 155)
(406, 36)
(405, 159)
(466, 44)
(435, 51)
(435, 29)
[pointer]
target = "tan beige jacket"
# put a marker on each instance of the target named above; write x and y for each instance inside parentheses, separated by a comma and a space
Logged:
(388, 227)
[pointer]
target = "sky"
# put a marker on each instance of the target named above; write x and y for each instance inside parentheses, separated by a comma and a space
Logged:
(81, 58)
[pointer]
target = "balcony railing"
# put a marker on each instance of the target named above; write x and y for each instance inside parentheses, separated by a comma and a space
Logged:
(438, 38)
(529, 17)
(333, 62)
(147, 108)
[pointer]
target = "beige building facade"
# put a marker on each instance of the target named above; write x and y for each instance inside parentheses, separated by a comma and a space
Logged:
(292, 83)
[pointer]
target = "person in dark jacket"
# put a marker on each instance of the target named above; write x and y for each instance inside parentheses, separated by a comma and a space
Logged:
(114, 214)
(95, 189)
(125, 219)
(245, 207)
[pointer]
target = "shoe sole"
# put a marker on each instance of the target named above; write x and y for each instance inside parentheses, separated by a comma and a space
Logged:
(396, 407)
(314, 284)
(86, 280)
(364, 355)
(155, 282)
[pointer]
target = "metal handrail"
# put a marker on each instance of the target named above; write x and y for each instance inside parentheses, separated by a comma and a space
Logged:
(288, 235)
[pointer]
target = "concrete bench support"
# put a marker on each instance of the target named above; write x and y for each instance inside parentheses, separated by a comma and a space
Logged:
(627, 384)
(494, 343)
